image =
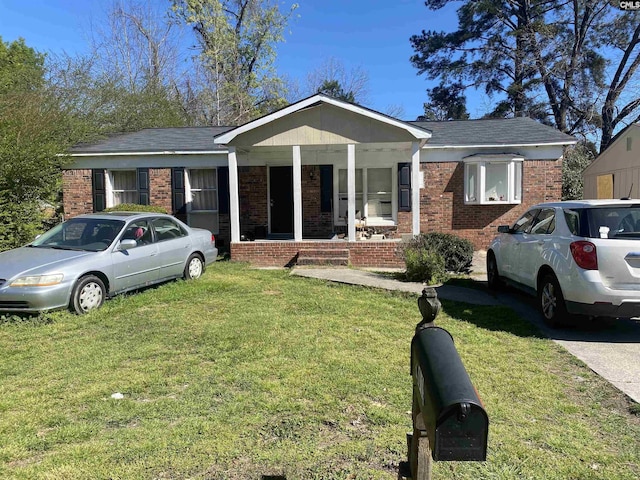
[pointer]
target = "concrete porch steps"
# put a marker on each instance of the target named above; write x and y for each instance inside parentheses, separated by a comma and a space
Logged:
(337, 257)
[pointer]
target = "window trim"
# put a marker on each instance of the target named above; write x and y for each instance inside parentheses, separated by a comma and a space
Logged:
(189, 195)
(514, 176)
(370, 221)
(109, 183)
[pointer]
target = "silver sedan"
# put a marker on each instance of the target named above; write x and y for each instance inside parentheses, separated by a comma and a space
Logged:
(83, 261)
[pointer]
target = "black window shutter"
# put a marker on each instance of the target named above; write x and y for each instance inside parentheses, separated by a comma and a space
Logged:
(223, 189)
(326, 187)
(99, 191)
(177, 191)
(404, 187)
(143, 186)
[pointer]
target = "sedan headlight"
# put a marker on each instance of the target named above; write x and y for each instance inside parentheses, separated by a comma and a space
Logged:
(38, 280)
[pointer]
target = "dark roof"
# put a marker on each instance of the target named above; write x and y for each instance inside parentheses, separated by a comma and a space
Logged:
(501, 131)
(181, 139)
(459, 133)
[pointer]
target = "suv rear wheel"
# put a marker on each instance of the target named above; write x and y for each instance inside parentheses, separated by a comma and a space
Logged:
(551, 301)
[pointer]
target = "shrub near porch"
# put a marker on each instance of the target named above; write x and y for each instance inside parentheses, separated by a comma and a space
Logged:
(246, 373)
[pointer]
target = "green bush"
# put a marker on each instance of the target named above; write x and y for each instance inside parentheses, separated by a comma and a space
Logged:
(424, 265)
(457, 252)
(132, 207)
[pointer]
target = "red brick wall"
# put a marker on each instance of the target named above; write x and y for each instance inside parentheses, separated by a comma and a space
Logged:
(252, 188)
(385, 254)
(442, 207)
(160, 188)
(315, 223)
(283, 254)
(77, 195)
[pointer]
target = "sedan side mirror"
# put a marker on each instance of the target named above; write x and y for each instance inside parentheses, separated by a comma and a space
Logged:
(504, 229)
(127, 244)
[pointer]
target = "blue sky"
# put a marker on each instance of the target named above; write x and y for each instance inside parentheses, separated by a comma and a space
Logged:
(371, 34)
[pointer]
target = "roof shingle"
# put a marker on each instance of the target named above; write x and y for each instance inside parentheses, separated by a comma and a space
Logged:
(458, 133)
(500, 131)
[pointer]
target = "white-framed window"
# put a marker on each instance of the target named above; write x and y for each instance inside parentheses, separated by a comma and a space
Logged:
(343, 194)
(121, 187)
(490, 181)
(375, 191)
(202, 189)
(201, 193)
(379, 193)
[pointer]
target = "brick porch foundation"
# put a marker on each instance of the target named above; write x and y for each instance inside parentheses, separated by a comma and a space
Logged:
(270, 253)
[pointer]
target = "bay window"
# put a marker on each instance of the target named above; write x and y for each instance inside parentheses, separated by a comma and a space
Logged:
(493, 180)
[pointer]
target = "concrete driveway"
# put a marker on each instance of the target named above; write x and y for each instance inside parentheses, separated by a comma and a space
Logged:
(612, 351)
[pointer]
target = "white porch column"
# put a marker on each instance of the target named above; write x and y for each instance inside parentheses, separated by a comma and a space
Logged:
(415, 188)
(234, 210)
(351, 191)
(297, 194)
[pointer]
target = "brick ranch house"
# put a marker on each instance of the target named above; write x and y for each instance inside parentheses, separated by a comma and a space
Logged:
(326, 179)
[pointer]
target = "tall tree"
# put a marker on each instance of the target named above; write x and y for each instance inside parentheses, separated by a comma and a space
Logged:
(486, 51)
(549, 59)
(576, 159)
(622, 102)
(33, 131)
(447, 103)
(354, 80)
(130, 79)
(334, 89)
(237, 40)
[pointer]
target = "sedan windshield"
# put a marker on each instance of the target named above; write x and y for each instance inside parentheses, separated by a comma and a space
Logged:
(88, 234)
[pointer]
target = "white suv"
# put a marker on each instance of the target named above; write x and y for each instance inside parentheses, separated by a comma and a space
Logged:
(578, 257)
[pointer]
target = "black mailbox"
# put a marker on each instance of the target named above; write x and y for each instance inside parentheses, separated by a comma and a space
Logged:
(455, 420)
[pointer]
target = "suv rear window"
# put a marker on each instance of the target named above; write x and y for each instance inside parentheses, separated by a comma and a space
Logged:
(605, 222)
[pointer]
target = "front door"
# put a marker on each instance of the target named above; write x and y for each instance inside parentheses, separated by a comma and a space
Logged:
(281, 198)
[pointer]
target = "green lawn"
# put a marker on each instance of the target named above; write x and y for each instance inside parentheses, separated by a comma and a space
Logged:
(250, 373)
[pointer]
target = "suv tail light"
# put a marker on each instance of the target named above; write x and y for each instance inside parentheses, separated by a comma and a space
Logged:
(213, 238)
(585, 255)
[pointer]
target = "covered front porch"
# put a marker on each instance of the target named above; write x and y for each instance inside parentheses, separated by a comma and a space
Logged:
(323, 175)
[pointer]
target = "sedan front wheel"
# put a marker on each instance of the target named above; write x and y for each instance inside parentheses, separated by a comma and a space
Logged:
(88, 294)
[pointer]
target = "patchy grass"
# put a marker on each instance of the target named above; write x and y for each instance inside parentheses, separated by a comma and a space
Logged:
(250, 373)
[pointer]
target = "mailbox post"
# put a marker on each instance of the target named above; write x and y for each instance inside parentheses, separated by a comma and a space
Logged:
(449, 420)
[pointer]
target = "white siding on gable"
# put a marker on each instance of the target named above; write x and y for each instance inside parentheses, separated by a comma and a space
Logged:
(622, 160)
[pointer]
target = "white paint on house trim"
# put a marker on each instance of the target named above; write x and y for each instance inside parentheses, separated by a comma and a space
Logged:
(158, 161)
(297, 194)
(145, 154)
(499, 145)
(415, 188)
(351, 191)
(234, 197)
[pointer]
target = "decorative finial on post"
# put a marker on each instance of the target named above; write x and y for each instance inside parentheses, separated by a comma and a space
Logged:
(429, 306)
